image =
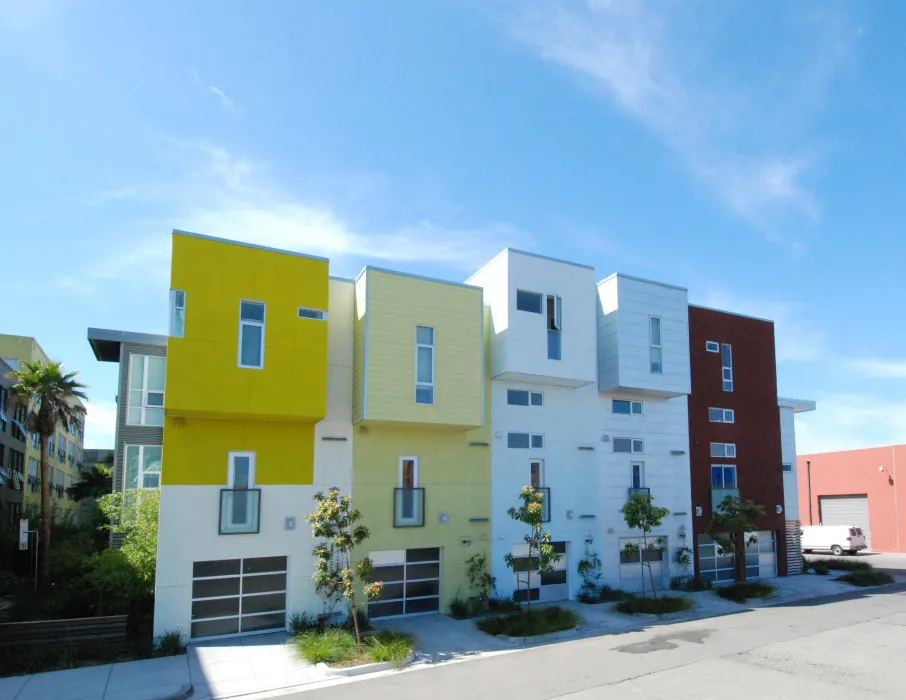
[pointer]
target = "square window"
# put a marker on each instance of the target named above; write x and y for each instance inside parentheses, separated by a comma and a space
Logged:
(787, 467)
(537, 442)
(622, 407)
(424, 335)
(622, 445)
(636, 408)
(424, 394)
(638, 446)
(528, 301)
(537, 398)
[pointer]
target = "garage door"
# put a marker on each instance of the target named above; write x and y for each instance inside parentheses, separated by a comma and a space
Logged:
(411, 579)
(238, 596)
(846, 510)
(761, 558)
(546, 587)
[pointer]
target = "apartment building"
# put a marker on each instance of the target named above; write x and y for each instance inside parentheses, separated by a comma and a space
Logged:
(433, 403)
(64, 447)
(13, 483)
(742, 441)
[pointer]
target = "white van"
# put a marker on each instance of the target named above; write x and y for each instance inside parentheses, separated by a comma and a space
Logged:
(834, 538)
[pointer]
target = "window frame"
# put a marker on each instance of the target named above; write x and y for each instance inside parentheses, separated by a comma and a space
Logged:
(787, 467)
(632, 404)
(425, 385)
(259, 324)
(318, 314)
(415, 471)
(724, 414)
(540, 297)
(540, 462)
(144, 389)
(557, 322)
(532, 437)
(139, 480)
(724, 368)
(174, 307)
(529, 396)
(712, 346)
(725, 449)
(231, 476)
(658, 346)
(632, 445)
(641, 470)
(530, 440)
(722, 468)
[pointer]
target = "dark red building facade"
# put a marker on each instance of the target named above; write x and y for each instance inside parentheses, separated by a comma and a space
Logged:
(735, 436)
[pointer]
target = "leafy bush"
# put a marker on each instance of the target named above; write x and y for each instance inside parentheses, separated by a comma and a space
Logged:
(589, 594)
(391, 646)
(866, 578)
(806, 565)
(530, 623)
(741, 590)
(118, 586)
(135, 516)
(677, 583)
(609, 594)
(697, 583)
(841, 564)
(364, 624)
(821, 568)
(170, 643)
(300, 623)
(460, 608)
(653, 606)
(499, 604)
(480, 579)
(337, 646)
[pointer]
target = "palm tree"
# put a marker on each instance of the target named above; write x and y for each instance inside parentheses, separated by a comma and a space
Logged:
(52, 400)
(94, 482)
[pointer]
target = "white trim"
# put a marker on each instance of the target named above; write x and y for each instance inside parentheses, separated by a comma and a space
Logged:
(632, 444)
(529, 394)
(540, 462)
(415, 481)
(141, 466)
(144, 406)
(724, 368)
(726, 413)
(260, 324)
(230, 457)
(173, 309)
(659, 346)
(726, 449)
(315, 315)
(724, 486)
(431, 347)
(712, 346)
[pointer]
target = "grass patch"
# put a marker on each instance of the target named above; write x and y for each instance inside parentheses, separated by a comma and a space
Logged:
(337, 647)
(460, 608)
(531, 622)
(842, 564)
(654, 606)
(740, 591)
(866, 578)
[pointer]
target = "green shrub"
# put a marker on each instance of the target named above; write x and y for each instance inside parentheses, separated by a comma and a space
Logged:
(697, 583)
(391, 646)
(300, 623)
(866, 578)
(170, 643)
(843, 564)
(806, 565)
(530, 623)
(821, 568)
(677, 583)
(364, 624)
(337, 646)
(740, 591)
(654, 606)
(460, 608)
(609, 594)
(589, 594)
(499, 604)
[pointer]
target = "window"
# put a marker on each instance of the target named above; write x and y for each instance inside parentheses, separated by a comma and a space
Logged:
(409, 499)
(628, 445)
(655, 353)
(787, 467)
(408, 472)
(536, 473)
(35, 440)
(627, 408)
(50, 445)
(524, 441)
(638, 475)
(554, 326)
(143, 466)
(520, 397)
(723, 449)
(712, 346)
(528, 301)
(721, 415)
(13, 362)
(424, 365)
(61, 448)
(251, 334)
(726, 363)
(177, 313)
(146, 390)
(313, 314)
(71, 456)
(723, 476)
(240, 501)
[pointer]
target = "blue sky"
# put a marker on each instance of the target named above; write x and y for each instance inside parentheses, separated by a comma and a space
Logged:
(750, 151)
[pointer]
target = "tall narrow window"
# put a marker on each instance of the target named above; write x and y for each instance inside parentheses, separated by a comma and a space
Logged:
(638, 476)
(239, 504)
(177, 313)
(251, 334)
(655, 351)
(536, 473)
(554, 326)
(408, 498)
(146, 390)
(726, 363)
(143, 466)
(424, 365)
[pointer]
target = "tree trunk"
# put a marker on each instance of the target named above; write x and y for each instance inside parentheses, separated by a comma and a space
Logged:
(650, 572)
(44, 538)
(740, 560)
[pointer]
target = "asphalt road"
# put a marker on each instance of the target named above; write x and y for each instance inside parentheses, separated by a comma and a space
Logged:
(844, 648)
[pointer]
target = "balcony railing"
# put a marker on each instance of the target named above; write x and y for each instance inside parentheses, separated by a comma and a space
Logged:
(553, 345)
(408, 507)
(240, 511)
(641, 490)
(718, 495)
(545, 503)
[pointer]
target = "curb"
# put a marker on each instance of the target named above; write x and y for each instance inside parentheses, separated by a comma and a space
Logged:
(183, 693)
(361, 670)
(551, 637)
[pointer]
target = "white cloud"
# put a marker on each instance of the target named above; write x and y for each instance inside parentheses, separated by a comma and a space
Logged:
(100, 424)
(731, 131)
(879, 369)
(226, 101)
(850, 421)
(797, 339)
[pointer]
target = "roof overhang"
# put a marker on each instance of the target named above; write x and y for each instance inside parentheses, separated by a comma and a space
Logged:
(106, 343)
(798, 405)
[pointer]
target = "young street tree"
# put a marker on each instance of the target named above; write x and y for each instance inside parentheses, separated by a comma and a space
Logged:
(640, 513)
(334, 520)
(52, 398)
(731, 520)
(540, 549)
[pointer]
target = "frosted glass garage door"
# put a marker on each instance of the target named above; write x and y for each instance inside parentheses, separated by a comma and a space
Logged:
(411, 579)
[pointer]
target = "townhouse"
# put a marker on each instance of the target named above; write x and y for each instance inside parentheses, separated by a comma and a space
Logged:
(64, 447)
(433, 403)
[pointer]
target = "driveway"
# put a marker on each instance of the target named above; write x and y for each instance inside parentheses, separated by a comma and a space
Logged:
(845, 648)
(879, 560)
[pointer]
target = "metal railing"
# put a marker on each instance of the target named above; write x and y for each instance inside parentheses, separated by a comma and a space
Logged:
(240, 511)
(408, 507)
(641, 490)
